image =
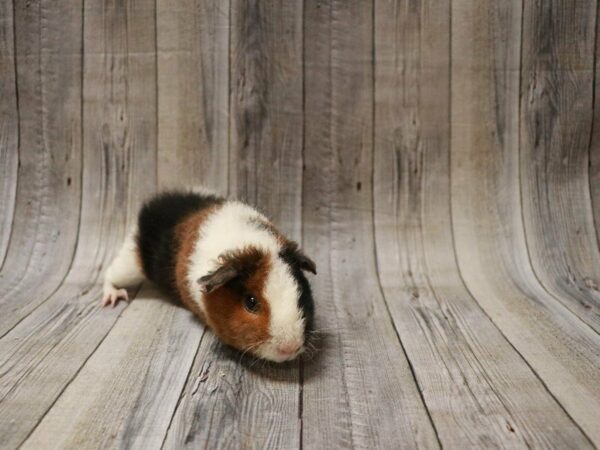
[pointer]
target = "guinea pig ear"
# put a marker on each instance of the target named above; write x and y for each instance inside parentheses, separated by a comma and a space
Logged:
(293, 252)
(306, 263)
(217, 278)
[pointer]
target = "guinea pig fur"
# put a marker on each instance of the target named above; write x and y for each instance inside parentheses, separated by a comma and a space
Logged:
(228, 264)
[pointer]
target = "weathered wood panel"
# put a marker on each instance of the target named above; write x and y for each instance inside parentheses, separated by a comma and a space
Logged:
(556, 119)
(357, 390)
(594, 144)
(44, 352)
(266, 107)
(46, 212)
(232, 401)
(9, 126)
(374, 132)
(125, 394)
(193, 93)
(477, 389)
(487, 215)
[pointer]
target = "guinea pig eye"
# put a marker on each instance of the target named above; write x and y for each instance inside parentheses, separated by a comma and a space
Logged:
(251, 303)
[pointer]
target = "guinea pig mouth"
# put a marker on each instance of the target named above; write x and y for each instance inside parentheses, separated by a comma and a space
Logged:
(278, 353)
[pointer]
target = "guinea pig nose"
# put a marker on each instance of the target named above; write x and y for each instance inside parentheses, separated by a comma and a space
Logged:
(288, 349)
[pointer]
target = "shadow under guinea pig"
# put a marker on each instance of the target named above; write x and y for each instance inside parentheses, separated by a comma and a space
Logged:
(310, 361)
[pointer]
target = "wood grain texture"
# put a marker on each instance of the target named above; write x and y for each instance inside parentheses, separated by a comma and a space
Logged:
(193, 93)
(232, 401)
(9, 126)
(266, 107)
(556, 119)
(438, 160)
(358, 389)
(594, 143)
(487, 214)
(125, 394)
(46, 211)
(453, 346)
(44, 352)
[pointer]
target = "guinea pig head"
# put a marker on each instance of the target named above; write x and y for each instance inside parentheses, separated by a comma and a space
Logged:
(260, 302)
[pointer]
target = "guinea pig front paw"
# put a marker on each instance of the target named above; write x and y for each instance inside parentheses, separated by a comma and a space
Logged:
(112, 295)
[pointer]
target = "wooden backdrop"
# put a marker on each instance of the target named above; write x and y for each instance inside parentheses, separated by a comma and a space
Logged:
(440, 160)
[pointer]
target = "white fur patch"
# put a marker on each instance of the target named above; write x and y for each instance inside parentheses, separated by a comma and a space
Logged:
(125, 270)
(231, 228)
(287, 323)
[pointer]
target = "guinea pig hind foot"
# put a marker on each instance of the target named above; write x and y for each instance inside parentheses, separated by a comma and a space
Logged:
(112, 295)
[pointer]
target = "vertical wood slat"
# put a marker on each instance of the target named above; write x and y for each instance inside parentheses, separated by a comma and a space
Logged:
(120, 140)
(594, 144)
(230, 400)
(120, 163)
(266, 109)
(193, 93)
(476, 387)
(359, 386)
(47, 204)
(56, 339)
(487, 213)
(9, 126)
(556, 119)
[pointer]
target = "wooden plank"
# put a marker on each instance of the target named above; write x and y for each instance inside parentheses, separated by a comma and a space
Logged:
(556, 120)
(120, 114)
(230, 400)
(125, 394)
(594, 144)
(193, 93)
(477, 388)
(266, 106)
(9, 126)
(46, 211)
(43, 353)
(359, 391)
(491, 247)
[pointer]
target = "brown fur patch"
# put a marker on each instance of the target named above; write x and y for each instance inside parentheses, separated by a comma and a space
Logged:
(187, 233)
(225, 309)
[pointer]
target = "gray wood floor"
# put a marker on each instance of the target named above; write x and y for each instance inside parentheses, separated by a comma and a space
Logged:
(440, 160)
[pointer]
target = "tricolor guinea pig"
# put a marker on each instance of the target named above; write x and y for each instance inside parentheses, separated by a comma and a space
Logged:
(228, 264)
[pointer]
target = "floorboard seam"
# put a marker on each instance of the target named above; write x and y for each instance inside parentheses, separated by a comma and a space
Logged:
(12, 221)
(182, 393)
(374, 240)
(302, 171)
(68, 383)
(460, 274)
(520, 186)
(592, 127)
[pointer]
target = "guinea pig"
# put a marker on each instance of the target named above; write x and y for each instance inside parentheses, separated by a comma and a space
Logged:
(228, 264)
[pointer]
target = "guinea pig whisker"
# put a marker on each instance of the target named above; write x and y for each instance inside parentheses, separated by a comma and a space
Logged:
(250, 347)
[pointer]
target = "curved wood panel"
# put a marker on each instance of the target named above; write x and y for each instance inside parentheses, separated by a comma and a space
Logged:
(446, 335)
(47, 206)
(362, 361)
(56, 339)
(438, 160)
(556, 119)
(487, 216)
(9, 126)
(193, 93)
(224, 404)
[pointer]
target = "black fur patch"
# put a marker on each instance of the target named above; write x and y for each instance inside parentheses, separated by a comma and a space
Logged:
(305, 301)
(156, 232)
